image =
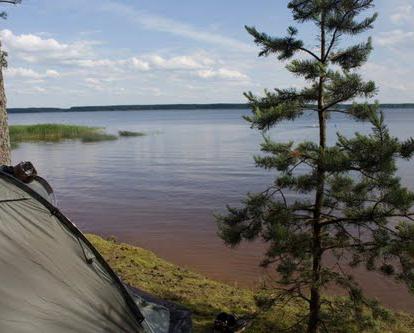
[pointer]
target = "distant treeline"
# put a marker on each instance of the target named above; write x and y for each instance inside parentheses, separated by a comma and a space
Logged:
(132, 108)
(217, 106)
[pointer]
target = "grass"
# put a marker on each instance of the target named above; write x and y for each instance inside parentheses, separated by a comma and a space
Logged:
(130, 133)
(97, 137)
(56, 133)
(205, 297)
(60, 132)
(50, 132)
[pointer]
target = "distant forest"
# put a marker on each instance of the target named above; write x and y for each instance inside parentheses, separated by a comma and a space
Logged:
(216, 106)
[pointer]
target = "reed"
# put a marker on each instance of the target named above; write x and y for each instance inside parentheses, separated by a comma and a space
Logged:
(96, 137)
(130, 134)
(56, 133)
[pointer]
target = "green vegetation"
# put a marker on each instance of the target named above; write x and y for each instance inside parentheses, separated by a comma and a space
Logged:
(351, 206)
(206, 298)
(133, 108)
(52, 132)
(130, 133)
(155, 107)
(14, 145)
(97, 137)
(60, 132)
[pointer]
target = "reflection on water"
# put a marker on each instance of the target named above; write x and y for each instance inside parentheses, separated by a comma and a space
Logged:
(161, 191)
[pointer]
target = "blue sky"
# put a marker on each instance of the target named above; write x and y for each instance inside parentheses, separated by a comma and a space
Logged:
(100, 52)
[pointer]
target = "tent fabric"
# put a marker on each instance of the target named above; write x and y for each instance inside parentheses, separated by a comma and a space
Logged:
(51, 278)
(154, 309)
(42, 187)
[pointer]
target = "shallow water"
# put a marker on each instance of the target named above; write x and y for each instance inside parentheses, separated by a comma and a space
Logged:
(161, 191)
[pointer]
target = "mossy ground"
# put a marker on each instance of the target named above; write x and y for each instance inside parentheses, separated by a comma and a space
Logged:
(204, 297)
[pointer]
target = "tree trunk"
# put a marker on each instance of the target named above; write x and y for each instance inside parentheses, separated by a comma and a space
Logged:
(5, 155)
(315, 301)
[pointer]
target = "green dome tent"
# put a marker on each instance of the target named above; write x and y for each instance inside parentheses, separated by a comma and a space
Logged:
(53, 280)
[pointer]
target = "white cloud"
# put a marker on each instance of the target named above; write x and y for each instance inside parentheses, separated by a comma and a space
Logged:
(139, 64)
(38, 90)
(92, 63)
(82, 59)
(403, 14)
(30, 73)
(393, 79)
(34, 48)
(36, 60)
(29, 90)
(222, 73)
(180, 62)
(149, 62)
(31, 43)
(94, 83)
(52, 73)
(395, 37)
(155, 22)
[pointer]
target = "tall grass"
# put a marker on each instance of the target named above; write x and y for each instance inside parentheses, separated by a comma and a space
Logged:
(96, 137)
(56, 133)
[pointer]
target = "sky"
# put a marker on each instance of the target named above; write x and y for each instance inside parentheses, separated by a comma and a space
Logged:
(107, 52)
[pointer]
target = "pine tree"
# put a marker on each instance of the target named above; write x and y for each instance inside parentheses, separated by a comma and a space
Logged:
(354, 208)
(5, 157)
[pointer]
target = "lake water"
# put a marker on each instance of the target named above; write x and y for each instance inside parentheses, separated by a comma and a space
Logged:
(160, 191)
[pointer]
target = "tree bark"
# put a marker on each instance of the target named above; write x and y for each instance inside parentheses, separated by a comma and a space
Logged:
(315, 300)
(5, 154)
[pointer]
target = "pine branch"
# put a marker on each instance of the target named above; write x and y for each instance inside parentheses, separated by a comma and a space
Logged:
(3, 14)
(353, 56)
(331, 45)
(356, 245)
(348, 220)
(345, 87)
(311, 53)
(335, 35)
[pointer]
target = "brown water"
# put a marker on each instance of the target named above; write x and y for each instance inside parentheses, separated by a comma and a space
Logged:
(161, 191)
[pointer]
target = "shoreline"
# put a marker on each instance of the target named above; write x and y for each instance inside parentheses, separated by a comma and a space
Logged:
(237, 268)
(204, 297)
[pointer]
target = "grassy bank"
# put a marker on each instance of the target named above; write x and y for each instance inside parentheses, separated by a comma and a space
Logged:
(61, 132)
(203, 296)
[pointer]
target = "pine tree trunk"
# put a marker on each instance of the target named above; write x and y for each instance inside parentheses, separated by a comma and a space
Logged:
(315, 301)
(5, 155)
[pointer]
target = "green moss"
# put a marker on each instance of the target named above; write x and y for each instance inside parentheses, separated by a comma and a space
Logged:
(56, 133)
(130, 134)
(205, 297)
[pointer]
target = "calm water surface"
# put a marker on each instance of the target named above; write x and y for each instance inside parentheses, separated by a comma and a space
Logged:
(161, 191)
